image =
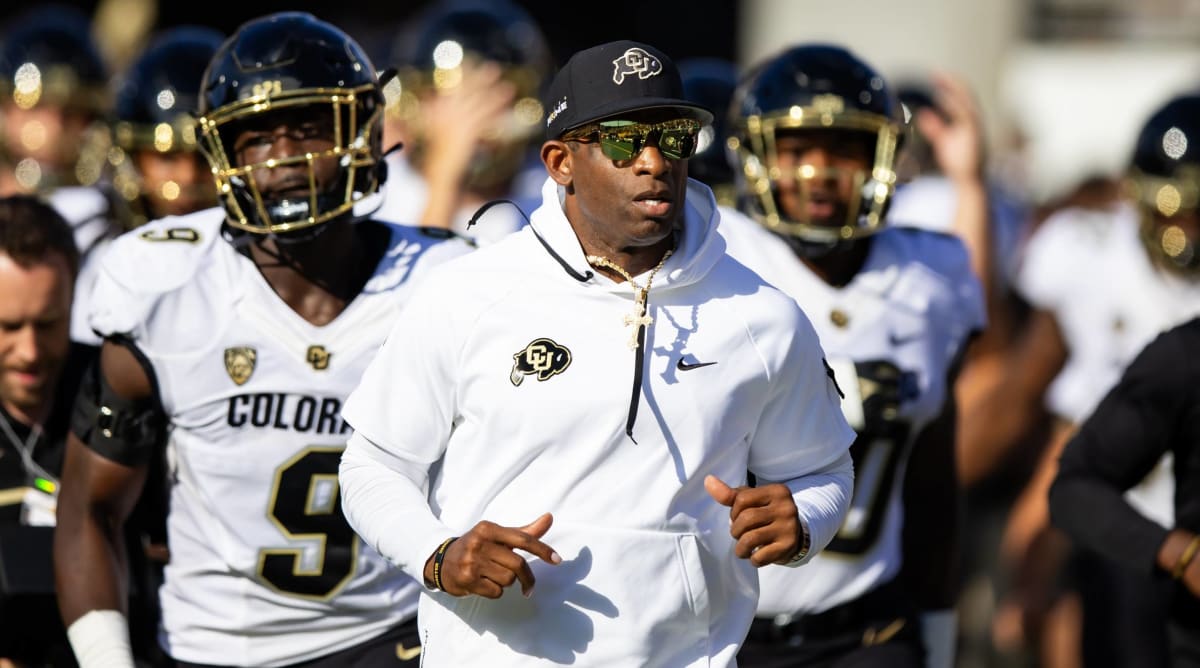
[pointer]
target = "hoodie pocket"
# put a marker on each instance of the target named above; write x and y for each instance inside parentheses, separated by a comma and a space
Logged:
(620, 598)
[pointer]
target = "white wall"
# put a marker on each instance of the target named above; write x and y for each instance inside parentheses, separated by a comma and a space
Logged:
(1082, 106)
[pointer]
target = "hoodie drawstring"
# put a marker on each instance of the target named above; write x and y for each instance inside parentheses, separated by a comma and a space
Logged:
(640, 320)
(582, 278)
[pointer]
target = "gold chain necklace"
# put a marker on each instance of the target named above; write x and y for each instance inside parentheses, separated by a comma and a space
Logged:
(640, 294)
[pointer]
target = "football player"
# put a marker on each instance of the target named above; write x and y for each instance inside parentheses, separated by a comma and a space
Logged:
(156, 169)
(1074, 349)
(161, 172)
(466, 104)
(236, 332)
(816, 130)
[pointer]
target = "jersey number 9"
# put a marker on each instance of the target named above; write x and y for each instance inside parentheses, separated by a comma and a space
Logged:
(307, 507)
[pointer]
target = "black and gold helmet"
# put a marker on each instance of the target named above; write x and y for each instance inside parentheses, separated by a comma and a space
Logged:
(1164, 182)
(291, 62)
(817, 87)
(156, 104)
(49, 59)
(159, 95)
(430, 55)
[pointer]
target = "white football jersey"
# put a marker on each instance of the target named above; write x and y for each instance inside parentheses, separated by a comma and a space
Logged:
(1090, 269)
(891, 336)
(264, 570)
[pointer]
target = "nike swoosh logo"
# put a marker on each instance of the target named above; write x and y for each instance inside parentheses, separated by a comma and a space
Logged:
(897, 340)
(684, 366)
(405, 653)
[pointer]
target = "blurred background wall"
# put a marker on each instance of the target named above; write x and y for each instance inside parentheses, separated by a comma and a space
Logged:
(1069, 82)
(1064, 84)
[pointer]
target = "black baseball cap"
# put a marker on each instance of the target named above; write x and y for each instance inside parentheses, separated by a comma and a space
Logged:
(611, 78)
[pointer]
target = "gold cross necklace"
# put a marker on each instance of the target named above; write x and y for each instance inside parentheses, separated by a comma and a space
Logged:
(638, 318)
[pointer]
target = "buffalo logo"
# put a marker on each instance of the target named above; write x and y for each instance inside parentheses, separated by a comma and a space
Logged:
(543, 357)
(635, 61)
(318, 357)
(239, 363)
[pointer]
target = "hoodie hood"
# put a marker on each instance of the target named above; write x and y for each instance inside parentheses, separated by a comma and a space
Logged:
(699, 249)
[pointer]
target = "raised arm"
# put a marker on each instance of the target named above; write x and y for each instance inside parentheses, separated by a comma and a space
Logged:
(956, 137)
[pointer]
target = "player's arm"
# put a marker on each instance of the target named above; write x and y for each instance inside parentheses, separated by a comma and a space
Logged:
(115, 425)
(455, 120)
(995, 424)
(955, 133)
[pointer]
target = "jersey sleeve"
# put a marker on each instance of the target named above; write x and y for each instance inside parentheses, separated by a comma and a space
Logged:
(142, 266)
(1135, 424)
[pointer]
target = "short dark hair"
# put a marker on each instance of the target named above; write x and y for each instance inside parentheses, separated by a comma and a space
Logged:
(30, 229)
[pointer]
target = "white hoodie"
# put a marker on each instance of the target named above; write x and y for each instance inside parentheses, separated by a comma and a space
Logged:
(452, 408)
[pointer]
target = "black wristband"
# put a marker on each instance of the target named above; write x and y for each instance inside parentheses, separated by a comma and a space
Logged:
(437, 562)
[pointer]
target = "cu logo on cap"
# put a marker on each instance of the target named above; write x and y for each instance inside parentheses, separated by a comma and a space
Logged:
(635, 61)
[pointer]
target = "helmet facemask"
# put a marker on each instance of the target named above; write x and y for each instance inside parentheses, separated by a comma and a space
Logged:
(1169, 218)
(353, 116)
(766, 176)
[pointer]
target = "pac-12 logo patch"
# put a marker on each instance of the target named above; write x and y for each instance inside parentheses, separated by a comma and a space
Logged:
(239, 363)
(542, 357)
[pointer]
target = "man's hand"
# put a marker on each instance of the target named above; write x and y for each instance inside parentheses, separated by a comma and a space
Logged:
(456, 120)
(482, 561)
(957, 136)
(1172, 550)
(764, 520)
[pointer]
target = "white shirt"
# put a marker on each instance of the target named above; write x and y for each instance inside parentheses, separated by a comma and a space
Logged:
(264, 570)
(892, 335)
(649, 576)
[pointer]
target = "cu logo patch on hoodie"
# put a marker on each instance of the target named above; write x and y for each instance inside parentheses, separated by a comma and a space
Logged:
(542, 357)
